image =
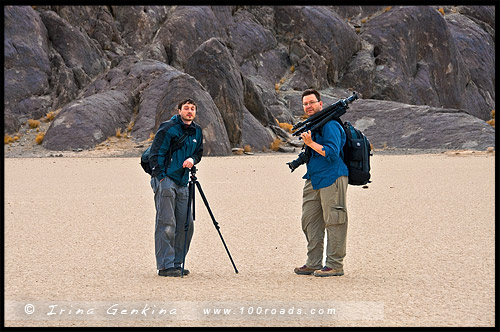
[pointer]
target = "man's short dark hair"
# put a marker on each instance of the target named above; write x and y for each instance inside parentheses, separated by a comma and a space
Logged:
(187, 101)
(311, 92)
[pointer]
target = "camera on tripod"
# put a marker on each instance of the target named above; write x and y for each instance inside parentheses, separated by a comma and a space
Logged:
(316, 122)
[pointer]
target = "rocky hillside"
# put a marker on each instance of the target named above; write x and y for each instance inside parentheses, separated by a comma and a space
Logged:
(425, 74)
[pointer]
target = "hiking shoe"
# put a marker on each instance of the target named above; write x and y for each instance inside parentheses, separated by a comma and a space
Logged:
(304, 270)
(170, 272)
(186, 271)
(328, 272)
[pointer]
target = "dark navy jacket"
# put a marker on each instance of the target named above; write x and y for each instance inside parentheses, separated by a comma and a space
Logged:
(192, 148)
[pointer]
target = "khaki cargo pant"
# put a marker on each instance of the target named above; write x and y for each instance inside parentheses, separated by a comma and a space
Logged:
(322, 209)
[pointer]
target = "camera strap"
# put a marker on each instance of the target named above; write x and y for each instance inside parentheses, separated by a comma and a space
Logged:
(175, 145)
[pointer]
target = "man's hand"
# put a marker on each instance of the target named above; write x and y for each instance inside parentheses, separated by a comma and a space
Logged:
(188, 163)
(306, 136)
(312, 144)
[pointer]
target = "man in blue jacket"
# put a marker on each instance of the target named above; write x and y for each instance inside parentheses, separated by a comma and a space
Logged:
(169, 180)
(324, 195)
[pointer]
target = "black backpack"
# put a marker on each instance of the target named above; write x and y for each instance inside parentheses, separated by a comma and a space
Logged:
(357, 152)
(175, 144)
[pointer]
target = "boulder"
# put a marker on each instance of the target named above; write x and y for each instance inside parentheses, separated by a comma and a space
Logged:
(252, 98)
(89, 121)
(438, 66)
(186, 28)
(178, 86)
(397, 125)
(78, 51)
(214, 67)
(477, 49)
(326, 34)
(98, 22)
(258, 137)
(27, 69)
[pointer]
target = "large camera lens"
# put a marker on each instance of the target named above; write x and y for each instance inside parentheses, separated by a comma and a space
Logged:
(302, 159)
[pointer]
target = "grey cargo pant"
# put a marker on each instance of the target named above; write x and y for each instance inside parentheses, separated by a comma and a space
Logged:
(171, 202)
(322, 209)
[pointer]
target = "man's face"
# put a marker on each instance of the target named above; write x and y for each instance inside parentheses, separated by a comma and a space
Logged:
(311, 104)
(187, 112)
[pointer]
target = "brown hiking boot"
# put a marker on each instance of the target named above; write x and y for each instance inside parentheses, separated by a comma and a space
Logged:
(328, 272)
(304, 270)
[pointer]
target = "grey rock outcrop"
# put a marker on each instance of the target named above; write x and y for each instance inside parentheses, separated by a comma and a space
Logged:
(419, 126)
(177, 87)
(89, 121)
(214, 67)
(442, 66)
(426, 74)
(27, 67)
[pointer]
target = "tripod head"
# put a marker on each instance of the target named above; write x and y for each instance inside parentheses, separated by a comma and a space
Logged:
(193, 173)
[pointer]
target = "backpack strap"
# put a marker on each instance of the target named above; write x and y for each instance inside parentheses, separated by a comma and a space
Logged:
(348, 134)
(176, 145)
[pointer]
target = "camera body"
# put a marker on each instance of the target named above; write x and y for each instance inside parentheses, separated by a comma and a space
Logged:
(303, 158)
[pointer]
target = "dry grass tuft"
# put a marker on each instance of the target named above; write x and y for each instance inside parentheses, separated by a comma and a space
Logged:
(286, 126)
(49, 116)
(275, 145)
(247, 148)
(33, 123)
(492, 121)
(130, 126)
(118, 132)
(7, 139)
(151, 137)
(39, 138)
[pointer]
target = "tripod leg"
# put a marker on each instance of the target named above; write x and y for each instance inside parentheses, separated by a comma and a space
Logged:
(215, 223)
(186, 225)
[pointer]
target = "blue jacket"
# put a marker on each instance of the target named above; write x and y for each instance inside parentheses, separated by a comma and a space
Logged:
(191, 148)
(324, 171)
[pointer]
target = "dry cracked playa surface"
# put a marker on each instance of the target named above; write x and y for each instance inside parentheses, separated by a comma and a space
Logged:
(79, 245)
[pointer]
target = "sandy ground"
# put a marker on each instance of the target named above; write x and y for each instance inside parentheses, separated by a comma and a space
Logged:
(79, 247)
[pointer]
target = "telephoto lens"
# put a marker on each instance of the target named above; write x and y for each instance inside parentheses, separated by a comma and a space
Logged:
(302, 159)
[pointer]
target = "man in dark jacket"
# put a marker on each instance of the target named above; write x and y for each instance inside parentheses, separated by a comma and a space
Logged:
(170, 176)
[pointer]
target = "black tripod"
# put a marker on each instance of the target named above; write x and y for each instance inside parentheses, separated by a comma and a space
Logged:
(191, 187)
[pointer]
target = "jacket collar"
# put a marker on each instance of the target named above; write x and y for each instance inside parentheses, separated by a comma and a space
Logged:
(184, 126)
